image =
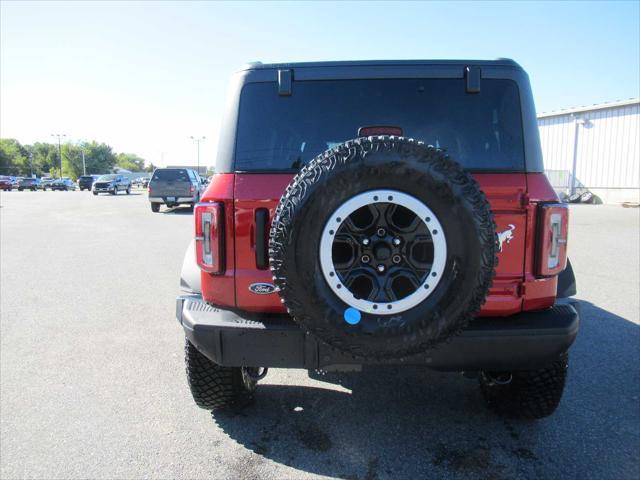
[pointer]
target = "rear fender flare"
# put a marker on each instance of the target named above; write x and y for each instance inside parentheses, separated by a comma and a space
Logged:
(190, 273)
(567, 282)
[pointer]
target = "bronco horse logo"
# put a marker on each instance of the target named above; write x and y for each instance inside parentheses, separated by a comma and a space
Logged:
(505, 236)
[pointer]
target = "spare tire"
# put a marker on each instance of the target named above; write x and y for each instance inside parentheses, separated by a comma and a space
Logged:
(383, 247)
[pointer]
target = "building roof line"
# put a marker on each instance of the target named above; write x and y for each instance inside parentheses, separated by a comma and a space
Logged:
(589, 108)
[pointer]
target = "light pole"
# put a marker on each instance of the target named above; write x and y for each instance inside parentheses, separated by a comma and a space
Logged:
(84, 167)
(197, 140)
(31, 163)
(59, 135)
(577, 121)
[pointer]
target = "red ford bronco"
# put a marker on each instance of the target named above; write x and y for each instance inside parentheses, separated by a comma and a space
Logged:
(380, 212)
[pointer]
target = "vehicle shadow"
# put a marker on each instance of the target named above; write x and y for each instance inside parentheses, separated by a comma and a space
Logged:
(410, 422)
(180, 210)
(119, 194)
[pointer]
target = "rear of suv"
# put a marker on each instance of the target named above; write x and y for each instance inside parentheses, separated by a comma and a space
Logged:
(85, 182)
(173, 187)
(370, 213)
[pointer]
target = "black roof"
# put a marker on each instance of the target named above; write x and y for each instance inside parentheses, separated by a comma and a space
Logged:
(501, 62)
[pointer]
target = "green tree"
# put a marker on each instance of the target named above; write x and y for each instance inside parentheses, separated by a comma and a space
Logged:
(17, 159)
(99, 158)
(72, 161)
(45, 158)
(130, 161)
(14, 158)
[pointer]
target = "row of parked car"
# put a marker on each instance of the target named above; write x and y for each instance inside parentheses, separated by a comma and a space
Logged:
(33, 184)
(111, 183)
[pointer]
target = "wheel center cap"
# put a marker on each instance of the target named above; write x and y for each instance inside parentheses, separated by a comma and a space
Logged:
(382, 251)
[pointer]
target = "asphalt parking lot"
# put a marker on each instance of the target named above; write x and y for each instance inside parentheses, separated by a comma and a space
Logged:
(92, 381)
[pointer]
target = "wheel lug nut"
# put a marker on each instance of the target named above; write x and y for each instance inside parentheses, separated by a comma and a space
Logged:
(365, 241)
(381, 268)
(365, 259)
(396, 258)
(396, 241)
(381, 232)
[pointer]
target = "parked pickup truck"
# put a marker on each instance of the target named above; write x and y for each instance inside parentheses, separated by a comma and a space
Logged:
(111, 184)
(174, 186)
(369, 213)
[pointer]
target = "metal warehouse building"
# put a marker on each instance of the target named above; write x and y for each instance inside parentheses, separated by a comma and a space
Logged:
(594, 148)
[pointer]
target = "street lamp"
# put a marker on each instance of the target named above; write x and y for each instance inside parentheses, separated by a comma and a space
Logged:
(59, 135)
(197, 140)
(84, 166)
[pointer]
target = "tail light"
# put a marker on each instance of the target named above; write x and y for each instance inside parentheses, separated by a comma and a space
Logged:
(553, 226)
(192, 189)
(210, 237)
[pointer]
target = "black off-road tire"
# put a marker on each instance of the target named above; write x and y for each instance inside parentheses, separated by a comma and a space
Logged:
(128, 190)
(215, 387)
(155, 207)
(531, 394)
(383, 162)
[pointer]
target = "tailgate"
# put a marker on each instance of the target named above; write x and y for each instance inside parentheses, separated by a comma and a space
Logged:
(170, 188)
(256, 198)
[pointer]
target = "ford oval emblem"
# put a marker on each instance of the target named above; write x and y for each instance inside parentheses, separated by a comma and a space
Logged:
(262, 288)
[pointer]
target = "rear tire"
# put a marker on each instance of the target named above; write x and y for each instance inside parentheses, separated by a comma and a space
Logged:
(95, 193)
(128, 190)
(215, 387)
(155, 207)
(531, 394)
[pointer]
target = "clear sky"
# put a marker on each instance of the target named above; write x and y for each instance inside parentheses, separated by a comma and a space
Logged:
(143, 77)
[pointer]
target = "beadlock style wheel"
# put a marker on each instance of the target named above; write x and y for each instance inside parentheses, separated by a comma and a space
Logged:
(383, 251)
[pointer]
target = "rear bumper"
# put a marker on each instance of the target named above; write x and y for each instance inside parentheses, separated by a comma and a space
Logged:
(176, 200)
(230, 338)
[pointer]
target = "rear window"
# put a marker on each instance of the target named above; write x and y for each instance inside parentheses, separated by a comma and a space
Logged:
(482, 131)
(107, 178)
(171, 174)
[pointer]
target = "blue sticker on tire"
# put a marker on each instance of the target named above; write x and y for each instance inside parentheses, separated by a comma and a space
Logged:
(352, 316)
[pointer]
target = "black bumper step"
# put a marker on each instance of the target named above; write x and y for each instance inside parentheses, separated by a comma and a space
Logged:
(232, 338)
